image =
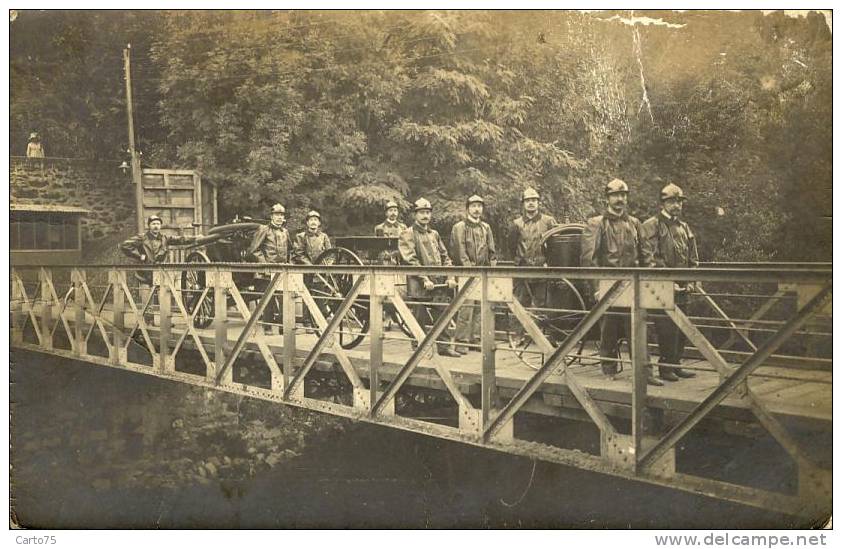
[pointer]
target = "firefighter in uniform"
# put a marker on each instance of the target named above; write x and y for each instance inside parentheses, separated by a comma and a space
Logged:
(472, 244)
(311, 243)
(671, 244)
(614, 239)
(151, 247)
(270, 244)
(391, 227)
(527, 249)
(420, 245)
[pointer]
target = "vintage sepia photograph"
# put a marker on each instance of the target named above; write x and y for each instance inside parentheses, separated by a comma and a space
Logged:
(421, 269)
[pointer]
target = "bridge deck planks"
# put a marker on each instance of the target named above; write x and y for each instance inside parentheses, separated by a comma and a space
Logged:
(804, 394)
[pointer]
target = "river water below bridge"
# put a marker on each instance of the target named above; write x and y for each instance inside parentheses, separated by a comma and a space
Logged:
(96, 447)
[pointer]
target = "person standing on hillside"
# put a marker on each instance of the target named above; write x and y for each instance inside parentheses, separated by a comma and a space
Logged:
(34, 149)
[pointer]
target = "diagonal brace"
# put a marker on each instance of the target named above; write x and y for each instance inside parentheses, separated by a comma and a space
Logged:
(435, 331)
(739, 376)
(556, 359)
(771, 424)
(743, 334)
(326, 335)
(244, 335)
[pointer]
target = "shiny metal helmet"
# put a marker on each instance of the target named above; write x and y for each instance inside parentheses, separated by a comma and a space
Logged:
(474, 199)
(616, 186)
(528, 193)
(423, 204)
(672, 191)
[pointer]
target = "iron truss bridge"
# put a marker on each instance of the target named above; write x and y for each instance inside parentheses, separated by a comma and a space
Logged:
(346, 340)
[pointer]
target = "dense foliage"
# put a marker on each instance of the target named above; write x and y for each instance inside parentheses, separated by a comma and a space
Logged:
(342, 111)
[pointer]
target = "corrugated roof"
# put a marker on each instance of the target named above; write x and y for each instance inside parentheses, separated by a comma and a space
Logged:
(51, 208)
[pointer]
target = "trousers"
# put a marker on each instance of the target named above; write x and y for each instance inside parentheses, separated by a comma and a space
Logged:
(427, 315)
(671, 340)
(615, 325)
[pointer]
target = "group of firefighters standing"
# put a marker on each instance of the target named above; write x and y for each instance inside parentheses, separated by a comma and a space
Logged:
(613, 239)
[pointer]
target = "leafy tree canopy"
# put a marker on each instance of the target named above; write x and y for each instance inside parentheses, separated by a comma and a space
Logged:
(341, 111)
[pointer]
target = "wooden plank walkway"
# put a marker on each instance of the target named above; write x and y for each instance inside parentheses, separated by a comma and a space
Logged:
(794, 393)
(798, 394)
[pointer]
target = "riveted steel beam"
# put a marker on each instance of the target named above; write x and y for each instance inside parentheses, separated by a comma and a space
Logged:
(737, 378)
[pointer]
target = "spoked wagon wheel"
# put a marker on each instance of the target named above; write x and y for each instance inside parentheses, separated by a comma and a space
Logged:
(566, 307)
(192, 286)
(329, 289)
(565, 304)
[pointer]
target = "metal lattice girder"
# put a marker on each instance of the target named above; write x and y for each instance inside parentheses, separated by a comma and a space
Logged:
(48, 281)
(435, 331)
(737, 378)
(248, 330)
(555, 360)
(711, 355)
(176, 295)
(27, 306)
(98, 315)
(737, 331)
(46, 308)
(417, 331)
(191, 321)
(580, 393)
(325, 337)
(140, 322)
(640, 356)
(338, 351)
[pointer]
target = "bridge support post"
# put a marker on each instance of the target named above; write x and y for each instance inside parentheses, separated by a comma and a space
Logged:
(117, 353)
(78, 280)
(490, 398)
(45, 277)
(290, 284)
(640, 364)
(165, 311)
(375, 322)
(220, 281)
(17, 310)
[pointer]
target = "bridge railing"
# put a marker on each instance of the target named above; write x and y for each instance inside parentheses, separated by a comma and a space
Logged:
(741, 322)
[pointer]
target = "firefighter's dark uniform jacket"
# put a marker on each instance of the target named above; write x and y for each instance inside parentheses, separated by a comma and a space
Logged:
(670, 242)
(612, 240)
(309, 245)
(270, 244)
(421, 246)
(148, 248)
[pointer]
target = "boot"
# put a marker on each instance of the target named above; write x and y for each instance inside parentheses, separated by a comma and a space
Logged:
(446, 351)
(609, 369)
(666, 373)
(683, 373)
(651, 379)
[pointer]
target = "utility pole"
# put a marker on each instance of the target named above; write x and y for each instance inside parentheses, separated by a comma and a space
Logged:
(136, 173)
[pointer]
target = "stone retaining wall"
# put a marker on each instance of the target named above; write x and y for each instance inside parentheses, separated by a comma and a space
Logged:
(98, 186)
